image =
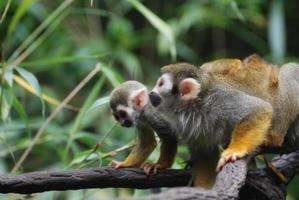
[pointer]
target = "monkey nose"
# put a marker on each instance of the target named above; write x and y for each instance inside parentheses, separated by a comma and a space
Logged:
(155, 98)
(127, 123)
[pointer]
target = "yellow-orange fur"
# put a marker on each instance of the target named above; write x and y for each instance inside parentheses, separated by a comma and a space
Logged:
(248, 135)
(145, 144)
(258, 78)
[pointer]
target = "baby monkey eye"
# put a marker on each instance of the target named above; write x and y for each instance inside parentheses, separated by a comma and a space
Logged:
(122, 113)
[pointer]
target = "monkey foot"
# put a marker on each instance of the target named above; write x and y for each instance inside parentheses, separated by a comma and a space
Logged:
(150, 168)
(227, 157)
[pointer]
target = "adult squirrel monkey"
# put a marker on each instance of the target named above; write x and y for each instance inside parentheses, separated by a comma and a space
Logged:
(238, 105)
(130, 106)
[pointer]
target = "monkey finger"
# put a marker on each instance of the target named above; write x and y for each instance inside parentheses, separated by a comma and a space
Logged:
(234, 157)
(156, 167)
(147, 169)
(220, 164)
(116, 164)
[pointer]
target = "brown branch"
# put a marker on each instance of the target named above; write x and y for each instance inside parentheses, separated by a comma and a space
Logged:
(259, 184)
(228, 184)
(105, 177)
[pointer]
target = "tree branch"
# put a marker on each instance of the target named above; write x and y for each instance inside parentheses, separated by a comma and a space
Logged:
(258, 184)
(105, 177)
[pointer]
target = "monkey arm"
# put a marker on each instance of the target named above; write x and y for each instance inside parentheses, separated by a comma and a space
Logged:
(166, 132)
(248, 118)
(146, 143)
(247, 136)
(168, 152)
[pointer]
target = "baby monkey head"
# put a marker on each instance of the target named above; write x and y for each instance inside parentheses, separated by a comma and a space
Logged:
(127, 101)
(179, 83)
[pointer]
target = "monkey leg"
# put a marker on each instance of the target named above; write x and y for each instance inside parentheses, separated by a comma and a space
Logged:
(167, 155)
(145, 145)
(203, 172)
(246, 137)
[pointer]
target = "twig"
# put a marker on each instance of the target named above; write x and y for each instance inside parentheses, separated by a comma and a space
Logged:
(53, 115)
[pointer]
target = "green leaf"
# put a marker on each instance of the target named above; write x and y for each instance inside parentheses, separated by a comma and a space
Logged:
(60, 10)
(159, 24)
(58, 60)
(99, 103)
(5, 11)
(237, 11)
(32, 80)
(23, 7)
(9, 76)
(113, 76)
(5, 108)
(21, 111)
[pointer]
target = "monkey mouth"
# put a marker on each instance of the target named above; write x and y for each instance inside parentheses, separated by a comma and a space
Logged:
(127, 123)
(155, 98)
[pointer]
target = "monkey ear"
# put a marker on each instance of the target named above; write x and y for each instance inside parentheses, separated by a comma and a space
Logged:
(189, 89)
(139, 98)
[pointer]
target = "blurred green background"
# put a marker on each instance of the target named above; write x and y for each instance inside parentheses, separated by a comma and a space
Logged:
(48, 47)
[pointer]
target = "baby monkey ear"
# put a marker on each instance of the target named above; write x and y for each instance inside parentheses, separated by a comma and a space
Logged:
(139, 98)
(189, 89)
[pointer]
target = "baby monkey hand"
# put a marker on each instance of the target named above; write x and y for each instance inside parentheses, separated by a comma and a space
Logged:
(116, 164)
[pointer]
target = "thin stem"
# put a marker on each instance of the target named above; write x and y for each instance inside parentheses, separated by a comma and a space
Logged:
(53, 115)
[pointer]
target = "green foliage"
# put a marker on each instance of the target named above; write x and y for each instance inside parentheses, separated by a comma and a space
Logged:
(48, 47)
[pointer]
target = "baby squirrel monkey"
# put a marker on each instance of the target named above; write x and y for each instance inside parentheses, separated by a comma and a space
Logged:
(130, 106)
(237, 105)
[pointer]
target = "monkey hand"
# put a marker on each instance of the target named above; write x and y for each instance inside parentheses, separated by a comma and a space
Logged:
(150, 168)
(116, 164)
(229, 155)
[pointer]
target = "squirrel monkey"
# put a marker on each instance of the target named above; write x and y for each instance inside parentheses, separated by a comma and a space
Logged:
(130, 104)
(212, 110)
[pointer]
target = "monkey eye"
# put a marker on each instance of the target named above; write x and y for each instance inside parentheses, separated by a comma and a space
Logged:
(122, 113)
(161, 83)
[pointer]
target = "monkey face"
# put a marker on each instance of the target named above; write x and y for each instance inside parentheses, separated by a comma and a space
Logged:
(127, 102)
(170, 91)
(124, 115)
(162, 89)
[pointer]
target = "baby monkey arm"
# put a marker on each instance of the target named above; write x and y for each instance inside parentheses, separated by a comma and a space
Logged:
(166, 133)
(145, 144)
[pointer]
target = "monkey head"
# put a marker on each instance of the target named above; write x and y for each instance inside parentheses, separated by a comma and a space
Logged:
(178, 83)
(127, 101)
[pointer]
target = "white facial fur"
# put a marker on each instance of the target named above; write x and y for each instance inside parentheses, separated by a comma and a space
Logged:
(129, 109)
(164, 84)
(130, 114)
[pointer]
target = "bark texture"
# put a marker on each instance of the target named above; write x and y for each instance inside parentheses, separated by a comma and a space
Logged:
(233, 182)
